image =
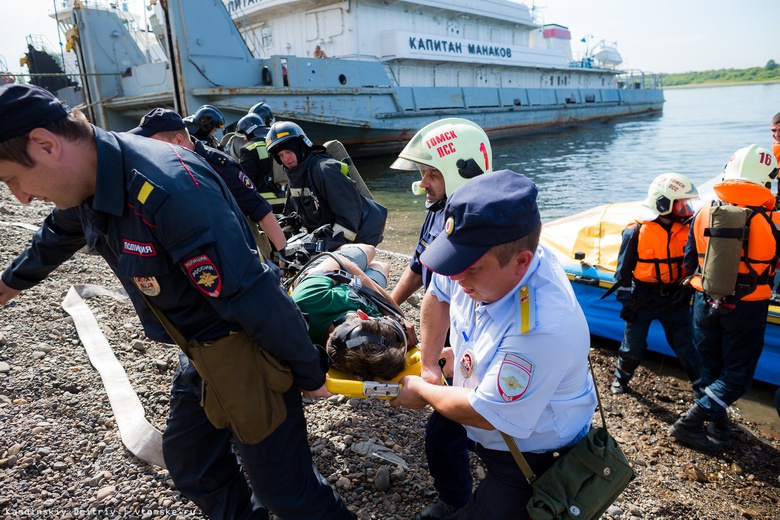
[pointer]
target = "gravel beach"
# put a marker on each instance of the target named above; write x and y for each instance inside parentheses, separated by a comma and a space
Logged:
(61, 455)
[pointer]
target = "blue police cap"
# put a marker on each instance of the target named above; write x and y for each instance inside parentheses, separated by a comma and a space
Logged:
(158, 120)
(24, 107)
(489, 210)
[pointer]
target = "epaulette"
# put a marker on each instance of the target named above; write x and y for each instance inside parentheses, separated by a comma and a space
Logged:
(527, 309)
(145, 193)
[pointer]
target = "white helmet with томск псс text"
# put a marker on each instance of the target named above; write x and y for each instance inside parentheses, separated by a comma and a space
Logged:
(671, 194)
(457, 147)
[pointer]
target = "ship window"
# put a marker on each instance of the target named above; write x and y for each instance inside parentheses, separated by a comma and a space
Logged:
(470, 31)
(342, 79)
(266, 37)
(331, 22)
(311, 27)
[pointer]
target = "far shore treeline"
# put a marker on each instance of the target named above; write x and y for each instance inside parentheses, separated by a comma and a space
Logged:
(770, 73)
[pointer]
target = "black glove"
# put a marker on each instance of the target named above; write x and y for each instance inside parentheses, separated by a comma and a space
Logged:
(335, 241)
(681, 297)
(628, 314)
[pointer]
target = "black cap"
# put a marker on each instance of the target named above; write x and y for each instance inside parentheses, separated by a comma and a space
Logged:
(158, 120)
(24, 107)
(491, 209)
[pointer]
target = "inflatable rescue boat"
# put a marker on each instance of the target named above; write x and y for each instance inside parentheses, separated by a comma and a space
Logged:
(587, 245)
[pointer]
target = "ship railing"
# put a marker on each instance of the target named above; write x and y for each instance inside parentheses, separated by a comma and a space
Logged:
(638, 79)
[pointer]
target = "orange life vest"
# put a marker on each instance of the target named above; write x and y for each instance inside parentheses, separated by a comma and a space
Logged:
(660, 252)
(759, 253)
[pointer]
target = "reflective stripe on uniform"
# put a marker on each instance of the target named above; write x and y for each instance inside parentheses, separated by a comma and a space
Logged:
(349, 235)
(300, 192)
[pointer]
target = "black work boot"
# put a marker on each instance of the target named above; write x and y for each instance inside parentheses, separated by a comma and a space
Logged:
(618, 387)
(719, 431)
(439, 510)
(688, 430)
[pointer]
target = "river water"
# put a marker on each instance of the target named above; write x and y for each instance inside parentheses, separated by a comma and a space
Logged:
(578, 168)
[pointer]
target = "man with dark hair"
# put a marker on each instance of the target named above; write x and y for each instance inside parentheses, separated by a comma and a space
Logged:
(168, 227)
(519, 338)
(359, 337)
(168, 126)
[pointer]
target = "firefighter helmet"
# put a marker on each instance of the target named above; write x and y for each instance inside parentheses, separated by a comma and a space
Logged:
(671, 193)
(752, 164)
(457, 147)
(206, 119)
(282, 131)
(251, 126)
(264, 111)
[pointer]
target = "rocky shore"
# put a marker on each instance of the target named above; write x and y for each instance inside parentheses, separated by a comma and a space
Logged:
(61, 455)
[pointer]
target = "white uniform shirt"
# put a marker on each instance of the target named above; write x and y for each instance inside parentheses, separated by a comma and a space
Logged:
(534, 386)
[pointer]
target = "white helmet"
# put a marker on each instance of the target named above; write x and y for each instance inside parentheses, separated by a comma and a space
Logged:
(671, 193)
(457, 147)
(752, 164)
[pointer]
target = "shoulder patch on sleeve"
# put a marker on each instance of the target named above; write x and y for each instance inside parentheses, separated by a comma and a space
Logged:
(204, 274)
(245, 180)
(514, 377)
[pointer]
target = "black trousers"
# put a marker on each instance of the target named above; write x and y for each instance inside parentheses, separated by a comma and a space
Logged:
(504, 492)
(204, 467)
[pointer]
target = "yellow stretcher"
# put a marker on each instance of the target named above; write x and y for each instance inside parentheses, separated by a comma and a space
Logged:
(339, 382)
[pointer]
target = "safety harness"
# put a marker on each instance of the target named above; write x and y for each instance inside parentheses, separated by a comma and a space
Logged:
(746, 283)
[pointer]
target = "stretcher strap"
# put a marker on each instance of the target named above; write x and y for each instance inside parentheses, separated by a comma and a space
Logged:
(138, 435)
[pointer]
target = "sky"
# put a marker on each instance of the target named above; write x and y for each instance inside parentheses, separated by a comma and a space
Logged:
(651, 35)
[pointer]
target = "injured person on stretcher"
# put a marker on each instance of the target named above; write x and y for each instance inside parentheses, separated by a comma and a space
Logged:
(342, 295)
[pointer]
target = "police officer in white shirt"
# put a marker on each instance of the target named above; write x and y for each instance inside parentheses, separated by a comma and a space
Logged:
(519, 340)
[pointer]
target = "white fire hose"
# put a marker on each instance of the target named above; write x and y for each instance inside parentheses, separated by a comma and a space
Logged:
(138, 435)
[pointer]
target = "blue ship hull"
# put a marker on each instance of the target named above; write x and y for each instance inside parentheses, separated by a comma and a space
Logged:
(352, 100)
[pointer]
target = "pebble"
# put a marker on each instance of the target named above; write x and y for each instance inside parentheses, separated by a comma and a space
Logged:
(4, 367)
(138, 345)
(105, 492)
(382, 479)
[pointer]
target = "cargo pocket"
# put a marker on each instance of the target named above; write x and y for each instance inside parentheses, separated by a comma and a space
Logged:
(243, 386)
